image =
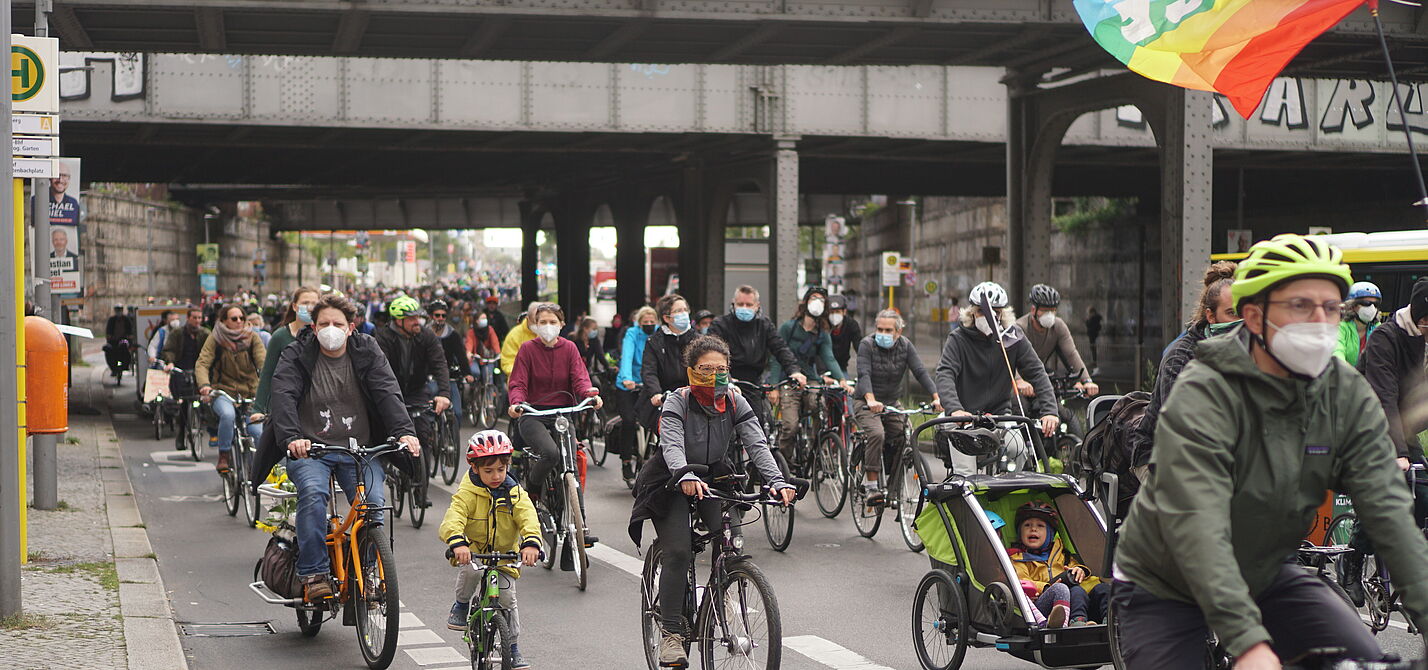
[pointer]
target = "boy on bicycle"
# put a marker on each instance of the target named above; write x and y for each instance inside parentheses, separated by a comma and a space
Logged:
(490, 513)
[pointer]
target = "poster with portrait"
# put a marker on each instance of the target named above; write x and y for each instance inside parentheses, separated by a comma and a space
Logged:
(66, 257)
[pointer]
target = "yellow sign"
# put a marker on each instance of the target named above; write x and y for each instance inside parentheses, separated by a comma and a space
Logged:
(34, 74)
(27, 73)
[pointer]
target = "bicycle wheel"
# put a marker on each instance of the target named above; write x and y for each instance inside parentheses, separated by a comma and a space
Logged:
(416, 512)
(865, 519)
(396, 491)
(1342, 528)
(939, 622)
(548, 535)
(489, 405)
(1378, 595)
(242, 452)
(428, 456)
(1113, 635)
(309, 621)
(650, 629)
(595, 443)
(158, 408)
(376, 603)
(739, 626)
(181, 428)
(575, 531)
(449, 461)
(231, 490)
(830, 484)
(908, 495)
(494, 642)
(197, 436)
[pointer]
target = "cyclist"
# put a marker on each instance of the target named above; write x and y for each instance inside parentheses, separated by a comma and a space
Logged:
(297, 317)
(230, 361)
(972, 376)
(181, 349)
(807, 337)
(702, 320)
(330, 386)
(698, 426)
(361, 324)
(489, 513)
(453, 345)
(481, 342)
(587, 339)
(1258, 426)
(511, 342)
(883, 359)
(416, 357)
(627, 385)
(846, 333)
(119, 337)
(1214, 316)
(495, 318)
(615, 334)
(548, 373)
(1360, 318)
(663, 366)
(1051, 340)
(168, 322)
(752, 338)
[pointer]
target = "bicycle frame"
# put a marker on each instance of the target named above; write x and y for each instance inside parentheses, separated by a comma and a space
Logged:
(485, 602)
(343, 530)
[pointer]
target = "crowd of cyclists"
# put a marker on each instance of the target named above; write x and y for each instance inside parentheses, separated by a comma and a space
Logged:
(1287, 382)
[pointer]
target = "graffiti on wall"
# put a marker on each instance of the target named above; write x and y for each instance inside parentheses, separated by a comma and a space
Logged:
(127, 76)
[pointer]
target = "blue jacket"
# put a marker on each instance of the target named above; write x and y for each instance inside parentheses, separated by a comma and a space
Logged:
(632, 354)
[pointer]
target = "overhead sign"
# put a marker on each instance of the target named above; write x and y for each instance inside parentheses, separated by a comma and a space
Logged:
(35, 168)
(34, 124)
(34, 74)
(34, 146)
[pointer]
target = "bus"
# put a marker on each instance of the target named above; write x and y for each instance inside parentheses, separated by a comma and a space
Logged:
(1393, 260)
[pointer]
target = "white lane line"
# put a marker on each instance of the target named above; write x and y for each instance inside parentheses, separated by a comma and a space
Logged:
(830, 654)
(436, 655)
(1396, 624)
(617, 558)
(416, 636)
(410, 620)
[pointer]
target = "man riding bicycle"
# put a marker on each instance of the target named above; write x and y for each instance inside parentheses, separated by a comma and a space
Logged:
(453, 344)
(416, 357)
(973, 376)
(1051, 339)
(752, 338)
(1256, 429)
(883, 359)
(329, 386)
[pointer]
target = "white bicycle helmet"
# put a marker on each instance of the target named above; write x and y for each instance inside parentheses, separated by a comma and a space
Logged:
(993, 291)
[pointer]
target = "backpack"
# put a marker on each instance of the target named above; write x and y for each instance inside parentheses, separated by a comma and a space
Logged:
(1110, 445)
(278, 566)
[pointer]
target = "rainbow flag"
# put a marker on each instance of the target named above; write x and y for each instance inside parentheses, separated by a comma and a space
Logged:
(1232, 47)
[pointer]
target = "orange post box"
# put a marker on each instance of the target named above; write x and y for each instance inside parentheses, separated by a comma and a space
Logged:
(46, 377)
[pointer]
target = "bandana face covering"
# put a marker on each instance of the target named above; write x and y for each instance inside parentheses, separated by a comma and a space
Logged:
(706, 387)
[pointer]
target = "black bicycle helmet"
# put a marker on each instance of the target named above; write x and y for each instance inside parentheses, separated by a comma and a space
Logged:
(1037, 509)
(980, 443)
(437, 306)
(1045, 296)
(702, 315)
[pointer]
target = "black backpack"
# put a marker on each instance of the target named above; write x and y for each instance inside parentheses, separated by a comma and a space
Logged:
(1110, 447)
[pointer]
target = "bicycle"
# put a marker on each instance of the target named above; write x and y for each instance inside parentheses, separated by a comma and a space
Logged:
(488, 629)
(236, 493)
(482, 396)
(445, 458)
(561, 514)
(406, 489)
(734, 616)
(164, 411)
(362, 563)
(900, 479)
(592, 426)
(778, 522)
(189, 433)
(1381, 597)
(1072, 429)
(826, 464)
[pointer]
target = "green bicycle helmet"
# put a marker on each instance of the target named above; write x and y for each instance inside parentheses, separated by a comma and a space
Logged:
(1285, 257)
(405, 306)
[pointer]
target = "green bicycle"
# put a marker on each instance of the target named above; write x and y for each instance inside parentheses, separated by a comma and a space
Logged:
(488, 630)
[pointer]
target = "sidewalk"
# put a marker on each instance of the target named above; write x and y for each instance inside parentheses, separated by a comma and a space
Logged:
(92, 593)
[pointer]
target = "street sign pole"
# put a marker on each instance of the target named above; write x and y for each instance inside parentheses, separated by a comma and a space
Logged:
(46, 459)
(12, 488)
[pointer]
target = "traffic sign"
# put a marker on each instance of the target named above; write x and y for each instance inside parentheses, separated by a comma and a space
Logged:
(34, 124)
(34, 146)
(34, 74)
(35, 168)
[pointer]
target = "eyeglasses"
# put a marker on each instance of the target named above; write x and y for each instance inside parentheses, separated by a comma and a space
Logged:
(438, 315)
(711, 369)
(234, 318)
(1304, 308)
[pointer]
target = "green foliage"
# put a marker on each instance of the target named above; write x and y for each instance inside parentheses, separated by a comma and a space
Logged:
(1090, 212)
(25, 621)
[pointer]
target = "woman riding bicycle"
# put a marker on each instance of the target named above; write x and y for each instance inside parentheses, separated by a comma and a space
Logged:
(627, 385)
(663, 366)
(230, 361)
(698, 426)
(807, 335)
(1257, 428)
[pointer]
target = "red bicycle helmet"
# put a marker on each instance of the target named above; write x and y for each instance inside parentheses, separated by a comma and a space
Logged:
(488, 443)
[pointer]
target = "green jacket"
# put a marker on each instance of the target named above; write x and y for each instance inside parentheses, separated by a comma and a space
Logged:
(281, 338)
(814, 351)
(1242, 461)
(1349, 342)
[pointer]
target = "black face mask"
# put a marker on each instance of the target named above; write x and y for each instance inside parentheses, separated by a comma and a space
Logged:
(649, 330)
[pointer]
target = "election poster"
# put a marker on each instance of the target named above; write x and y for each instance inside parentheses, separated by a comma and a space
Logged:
(66, 256)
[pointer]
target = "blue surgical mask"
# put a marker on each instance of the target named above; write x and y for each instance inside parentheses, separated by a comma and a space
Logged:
(884, 340)
(744, 313)
(681, 321)
(304, 314)
(703, 331)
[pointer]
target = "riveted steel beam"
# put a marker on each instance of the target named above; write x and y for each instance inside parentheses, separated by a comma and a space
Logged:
(211, 33)
(68, 28)
(1186, 181)
(782, 199)
(921, 8)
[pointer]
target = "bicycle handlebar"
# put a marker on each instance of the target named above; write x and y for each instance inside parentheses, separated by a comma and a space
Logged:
(762, 388)
(764, 496)
(355, 450)
(920, 409)
(236, 401)
(528, 410)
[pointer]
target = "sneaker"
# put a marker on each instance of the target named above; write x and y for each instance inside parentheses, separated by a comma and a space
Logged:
(223, 463)
(316, 588)
(590, 539)
(460, 614)
(671, 651)
(627, 469)
(517, 661)
(1057, 617)
(875, 495)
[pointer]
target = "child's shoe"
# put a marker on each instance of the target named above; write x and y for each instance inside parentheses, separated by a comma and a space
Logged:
(460, 614)
(517, 662)
(1057, 617)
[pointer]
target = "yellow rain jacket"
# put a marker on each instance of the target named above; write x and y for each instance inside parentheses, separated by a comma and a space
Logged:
(1041, 572)
(478, 520)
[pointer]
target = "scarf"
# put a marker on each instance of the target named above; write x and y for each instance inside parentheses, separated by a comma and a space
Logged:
(707, 388)
(1041, 555)
(233, 340)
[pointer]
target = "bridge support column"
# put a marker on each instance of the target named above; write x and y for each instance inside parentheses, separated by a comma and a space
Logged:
(572, 238)
(782, 200)
(701, 241)
(1186, 179)
(631, 216)
(530, 251)
(1033, 136)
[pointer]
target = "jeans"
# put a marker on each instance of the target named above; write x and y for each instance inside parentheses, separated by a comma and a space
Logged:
(455, 398)
(674, 533)
(469, 580)
(227, 417)
(311, 475)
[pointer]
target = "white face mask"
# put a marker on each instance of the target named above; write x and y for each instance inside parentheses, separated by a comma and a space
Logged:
(547, 332)
(1304, 348)
(1367, 313)
(815, 307)
(983, 325)
(836, 319)
(174, 323)
(1047, 320)
(331, 337)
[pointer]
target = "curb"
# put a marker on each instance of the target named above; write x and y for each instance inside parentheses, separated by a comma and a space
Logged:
(150, 632)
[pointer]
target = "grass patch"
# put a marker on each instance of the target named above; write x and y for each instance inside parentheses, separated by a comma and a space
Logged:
(37, 556)
(151, 555)
(26, 622)
(106, 572)
(61, 506)
(126, 493)
(138, 525)
(71, 440)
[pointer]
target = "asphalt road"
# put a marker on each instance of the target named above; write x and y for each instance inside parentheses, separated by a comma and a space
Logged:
(845, 601)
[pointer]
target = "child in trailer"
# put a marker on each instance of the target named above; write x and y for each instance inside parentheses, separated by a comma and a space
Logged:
(1039, 557)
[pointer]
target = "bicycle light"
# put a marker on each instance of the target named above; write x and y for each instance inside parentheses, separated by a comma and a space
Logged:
(562, 424)
(738, 542)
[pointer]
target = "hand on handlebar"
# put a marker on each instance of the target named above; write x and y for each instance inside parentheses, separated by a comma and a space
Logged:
(694, 488)
(657, 399)
(255, 418)
(461, 555)
(961, 414)
(787, 495)
(1091, 389)
(599, 402)
(204, 392)
(411, 443)
(516, 411)
(440, 404)
(937, 403)
(1258, 657)
(799, 377)
(529, 555)
(298, 448)
(1049, 424)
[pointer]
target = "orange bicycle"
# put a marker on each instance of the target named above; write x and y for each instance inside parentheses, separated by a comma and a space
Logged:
(364, 569)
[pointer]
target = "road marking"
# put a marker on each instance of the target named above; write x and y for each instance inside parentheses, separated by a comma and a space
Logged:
(619, 559)
(410, 620)
(436, 655)
(178, 461)
(417, 636)
(830, 654)
(1396, 624)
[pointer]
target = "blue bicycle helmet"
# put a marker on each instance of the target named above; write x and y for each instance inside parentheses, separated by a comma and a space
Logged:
(1364, 289)
(995, 519)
